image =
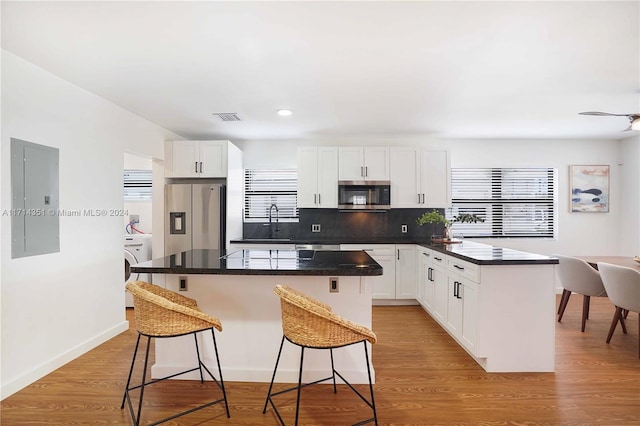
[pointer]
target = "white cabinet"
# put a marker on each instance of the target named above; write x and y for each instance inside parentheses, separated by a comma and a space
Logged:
(438, 280)
(462, 302)
(363, 163)
(384, 286)
(196, 159)
(419, 178)
(488, 309)
(423, 262)
(317, 177)
(406, 271)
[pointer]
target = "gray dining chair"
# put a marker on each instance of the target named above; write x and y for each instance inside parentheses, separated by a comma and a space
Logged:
(578, 276)
(623, 288)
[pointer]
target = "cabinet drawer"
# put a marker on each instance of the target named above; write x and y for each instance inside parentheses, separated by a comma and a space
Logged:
(438, 259)
(463, 268)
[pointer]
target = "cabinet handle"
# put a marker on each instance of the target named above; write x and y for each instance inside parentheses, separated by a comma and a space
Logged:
(455, 289)
(201, 169)
(458, 267)
(319, 202)
(418, 198)
(422, 198)
(425, 254)
(315, 199)
(430, 274)
(459, 287)
(366, 172)
(398, 254)
(437, 258)
(196, 163)
(361, 171)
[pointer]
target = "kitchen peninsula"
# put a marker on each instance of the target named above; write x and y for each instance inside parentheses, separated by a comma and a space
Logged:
(237, 287)
(498, 304)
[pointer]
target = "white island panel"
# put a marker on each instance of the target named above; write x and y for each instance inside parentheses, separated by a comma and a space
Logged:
(252, 328)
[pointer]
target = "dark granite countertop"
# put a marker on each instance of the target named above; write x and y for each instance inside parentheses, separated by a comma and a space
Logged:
(470, 251)
(263, 262)
(485, 254)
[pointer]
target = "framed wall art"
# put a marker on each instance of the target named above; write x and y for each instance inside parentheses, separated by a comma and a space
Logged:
(589, 188)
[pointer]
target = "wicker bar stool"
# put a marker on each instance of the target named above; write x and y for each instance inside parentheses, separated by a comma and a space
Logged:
(161, 313)
(309, 323)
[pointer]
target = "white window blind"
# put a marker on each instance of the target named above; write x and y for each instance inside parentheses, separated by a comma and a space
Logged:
(514, 202)
(137, 185)
(265, 187)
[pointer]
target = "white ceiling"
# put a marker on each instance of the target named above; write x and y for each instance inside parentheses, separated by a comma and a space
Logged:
(445, 69)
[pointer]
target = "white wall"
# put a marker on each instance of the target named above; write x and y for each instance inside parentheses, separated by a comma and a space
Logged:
(578, 233)
(57, 306)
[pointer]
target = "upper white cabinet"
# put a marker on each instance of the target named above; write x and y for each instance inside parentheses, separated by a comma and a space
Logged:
(196, 158)
(317, 177)
(363, 163)
(419, 178)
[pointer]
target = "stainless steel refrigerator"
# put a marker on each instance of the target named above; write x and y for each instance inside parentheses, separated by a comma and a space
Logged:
(194, 217)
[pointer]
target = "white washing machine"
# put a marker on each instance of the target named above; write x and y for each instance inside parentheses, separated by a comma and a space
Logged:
(137, 248)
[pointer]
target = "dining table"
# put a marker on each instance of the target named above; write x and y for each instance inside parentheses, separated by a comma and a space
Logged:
(626, 261)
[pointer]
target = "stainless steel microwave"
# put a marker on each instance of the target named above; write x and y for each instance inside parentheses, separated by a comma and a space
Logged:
(364, 195)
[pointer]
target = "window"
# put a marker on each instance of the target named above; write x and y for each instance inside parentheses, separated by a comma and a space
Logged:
(516, 202)
(137, 185)
(265, 187)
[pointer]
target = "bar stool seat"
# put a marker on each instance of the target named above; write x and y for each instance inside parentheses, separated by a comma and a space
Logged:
(311, 324)
(161, 313)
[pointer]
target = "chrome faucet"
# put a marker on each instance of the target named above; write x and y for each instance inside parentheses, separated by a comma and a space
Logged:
(271, 230)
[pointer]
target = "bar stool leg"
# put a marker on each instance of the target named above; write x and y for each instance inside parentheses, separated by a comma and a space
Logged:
(224, 392)
(133, 361)
(144, 379)
(195, 337)
(333, 371)
(273, 377)
(373, 402)
(299, 383)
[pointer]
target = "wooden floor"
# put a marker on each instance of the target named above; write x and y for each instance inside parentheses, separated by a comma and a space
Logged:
(423, 378)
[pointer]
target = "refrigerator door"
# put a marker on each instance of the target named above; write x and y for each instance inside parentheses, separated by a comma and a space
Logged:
(178, 223)
(207, 216)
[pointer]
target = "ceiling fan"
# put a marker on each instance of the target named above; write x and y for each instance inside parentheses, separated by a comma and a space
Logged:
(634, 119)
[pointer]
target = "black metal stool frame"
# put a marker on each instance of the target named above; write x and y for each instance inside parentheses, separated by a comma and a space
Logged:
(301, 385)
(126, 397)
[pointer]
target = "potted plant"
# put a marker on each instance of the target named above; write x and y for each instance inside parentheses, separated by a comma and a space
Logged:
(434, 217)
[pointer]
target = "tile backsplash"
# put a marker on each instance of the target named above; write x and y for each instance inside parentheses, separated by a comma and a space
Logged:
(343, 226)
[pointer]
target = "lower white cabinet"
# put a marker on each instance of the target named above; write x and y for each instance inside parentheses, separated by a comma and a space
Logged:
(398, 261)
(406, 271)
(384, 286)
(488, 309)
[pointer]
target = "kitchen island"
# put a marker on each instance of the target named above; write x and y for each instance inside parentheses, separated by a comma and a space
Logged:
(237, 287)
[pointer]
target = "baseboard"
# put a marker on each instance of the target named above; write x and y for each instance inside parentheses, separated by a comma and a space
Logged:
(45, 368)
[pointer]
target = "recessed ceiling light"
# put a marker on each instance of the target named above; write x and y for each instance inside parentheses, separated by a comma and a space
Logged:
(284, 112)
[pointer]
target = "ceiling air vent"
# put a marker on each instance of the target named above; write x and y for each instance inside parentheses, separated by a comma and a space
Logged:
(227, 116)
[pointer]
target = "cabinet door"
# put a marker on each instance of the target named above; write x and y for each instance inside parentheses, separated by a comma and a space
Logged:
(405, 271)
(469, 335)
(405, 177)
(186, 158)
(350, 163)
(384, 286)
(454, 306)
(213, 159)
(434, 179)
(308, 177)
(327, 177)
(376, 163)
(439, 280)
